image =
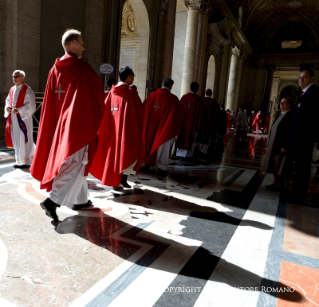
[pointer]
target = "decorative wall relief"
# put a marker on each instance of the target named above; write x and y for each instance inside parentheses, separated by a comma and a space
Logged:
(129, 24)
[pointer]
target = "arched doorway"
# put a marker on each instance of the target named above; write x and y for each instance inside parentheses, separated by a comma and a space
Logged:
(135, 41)
(289, 91)
(211, 72)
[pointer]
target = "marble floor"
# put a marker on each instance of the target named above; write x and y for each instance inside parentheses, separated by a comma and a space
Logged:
(209, 234)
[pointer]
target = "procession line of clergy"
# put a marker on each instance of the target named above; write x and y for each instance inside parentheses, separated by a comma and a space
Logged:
(82, 129)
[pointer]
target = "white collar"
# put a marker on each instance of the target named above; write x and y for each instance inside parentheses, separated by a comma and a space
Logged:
(207, 96)
(19, 86)
(121, 83)
(166, 88)
(307, 88)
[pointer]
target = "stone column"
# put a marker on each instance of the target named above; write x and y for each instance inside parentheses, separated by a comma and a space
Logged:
(198, 52)
(194, 7)
(232, 83)
(200, 56)
(203, 57)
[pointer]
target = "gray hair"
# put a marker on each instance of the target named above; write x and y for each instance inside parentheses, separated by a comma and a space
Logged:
(19, 72)
(70, 35)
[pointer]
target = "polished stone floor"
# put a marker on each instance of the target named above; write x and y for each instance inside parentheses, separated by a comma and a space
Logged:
(210, 234)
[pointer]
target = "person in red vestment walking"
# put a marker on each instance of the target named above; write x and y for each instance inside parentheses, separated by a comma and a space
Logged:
(211, 115)
(162, 120)
(266, 124)
(109, 84)
(257, 123)
(228, 120)
(193, 106)
(72, 110)
(120, 134)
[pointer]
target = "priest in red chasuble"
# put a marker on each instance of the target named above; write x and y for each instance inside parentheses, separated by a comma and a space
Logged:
(162, 120)
(120, 134)
(228, 120)
(193, 106)
(211, 118)
(72, 110)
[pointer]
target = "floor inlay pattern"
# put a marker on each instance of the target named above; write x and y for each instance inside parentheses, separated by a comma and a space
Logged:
(209, 234)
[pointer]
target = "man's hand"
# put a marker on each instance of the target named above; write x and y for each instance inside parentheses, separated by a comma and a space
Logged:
(283, 150)
(15, 111)
(9, 109)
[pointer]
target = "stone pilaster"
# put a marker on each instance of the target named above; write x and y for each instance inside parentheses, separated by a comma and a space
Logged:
(93, 32)
(111, 41)
(224, 62)
(274, 98)
(194, 8)
(268, 84)
(239, 81)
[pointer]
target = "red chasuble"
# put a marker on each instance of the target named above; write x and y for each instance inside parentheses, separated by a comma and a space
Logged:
(22, 125)
(266, 124)
(162, 120)
(209, 120)
(120, 135)
(193, 106)
(72, 110)
(255, 121)
(228, 120)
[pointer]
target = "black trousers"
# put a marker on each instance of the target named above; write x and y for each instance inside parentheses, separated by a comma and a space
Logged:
(302, 156)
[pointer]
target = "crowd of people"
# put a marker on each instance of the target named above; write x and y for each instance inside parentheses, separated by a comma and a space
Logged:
(111, 133)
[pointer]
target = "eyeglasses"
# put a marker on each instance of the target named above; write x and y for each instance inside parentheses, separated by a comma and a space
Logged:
(14, 77)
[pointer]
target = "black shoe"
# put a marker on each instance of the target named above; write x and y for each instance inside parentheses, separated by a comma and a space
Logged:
(146, 168)
(82, 206)
(21, 166)
(116, 188)
(272, 187)
(50, 208)
(162, 173)
(124, 183)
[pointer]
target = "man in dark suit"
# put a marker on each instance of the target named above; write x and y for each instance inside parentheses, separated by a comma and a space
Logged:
(304, 134)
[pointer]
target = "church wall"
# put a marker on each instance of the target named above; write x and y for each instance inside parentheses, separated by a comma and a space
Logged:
(55, 19)
(179, 48)
(20, 46)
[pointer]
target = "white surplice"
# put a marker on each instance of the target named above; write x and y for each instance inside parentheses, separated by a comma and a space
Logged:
(70, 186)
(23, 152)
(163, 153)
